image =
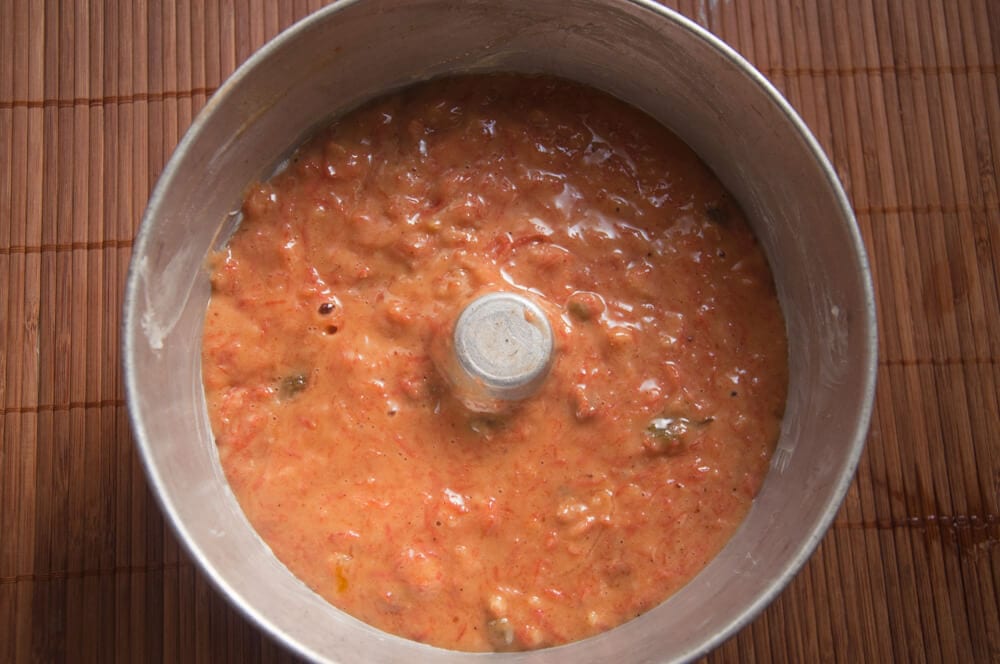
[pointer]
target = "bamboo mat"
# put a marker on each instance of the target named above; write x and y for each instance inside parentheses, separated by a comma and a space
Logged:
(903, 94)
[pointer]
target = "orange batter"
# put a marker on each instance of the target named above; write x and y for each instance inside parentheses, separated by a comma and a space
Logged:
(578, 508)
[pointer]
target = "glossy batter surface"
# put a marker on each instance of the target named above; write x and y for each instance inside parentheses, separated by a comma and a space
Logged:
(581, 507)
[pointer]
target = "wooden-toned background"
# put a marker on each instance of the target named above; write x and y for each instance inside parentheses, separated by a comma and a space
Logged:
(903, 94)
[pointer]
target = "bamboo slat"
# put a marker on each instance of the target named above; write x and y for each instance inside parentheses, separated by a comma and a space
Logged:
(903, 94)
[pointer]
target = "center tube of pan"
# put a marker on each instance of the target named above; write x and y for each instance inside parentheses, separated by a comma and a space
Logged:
(503, 347)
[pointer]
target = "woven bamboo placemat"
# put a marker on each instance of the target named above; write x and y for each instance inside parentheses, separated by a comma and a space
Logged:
(903, 95)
